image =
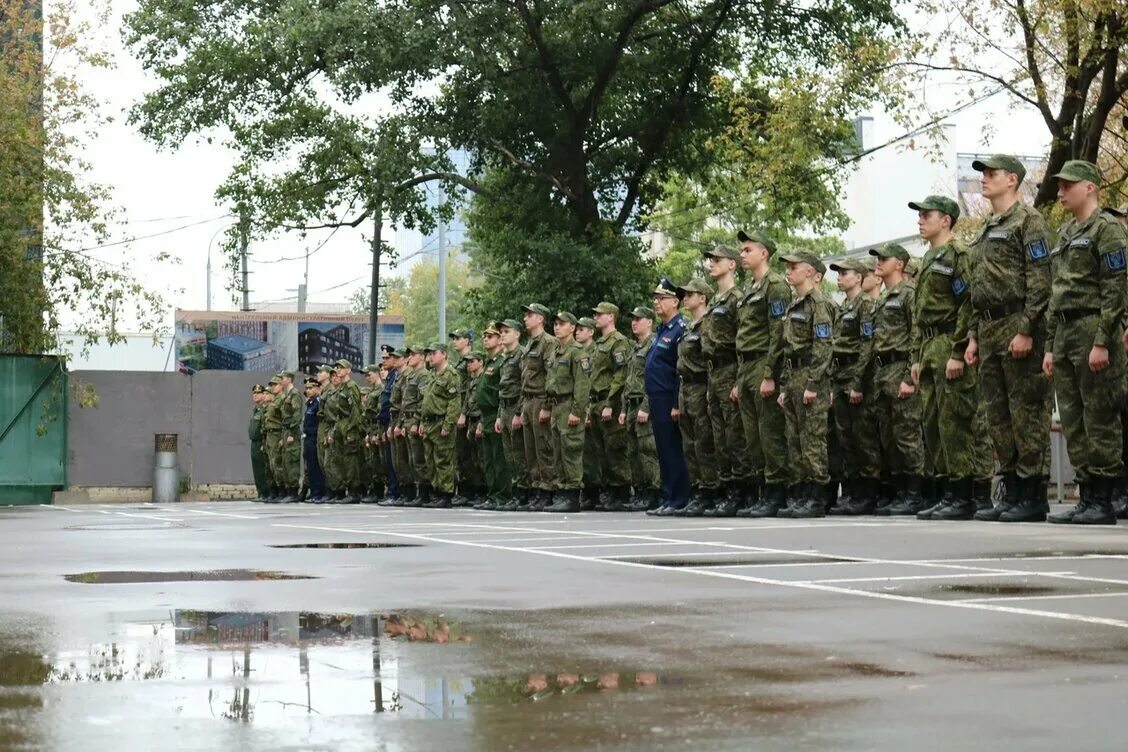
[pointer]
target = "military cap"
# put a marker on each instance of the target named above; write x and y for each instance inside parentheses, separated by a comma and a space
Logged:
(1122, 212)
(437, 347)
(722, 251)
(388, 352)
(401, 353)
(566, 316)
(386, 349)
(325, 368)
(937, 203)
(1078, 170)
(258, 389)
(891, 250)
(870, 263)
(513, 324)
(912, 268)
(1000, 162)
(274, 381)
(310, 381)
(493, 328)
(805, 257)
(851, 264)
(696, 285)
(411, 350)
(667, 289)
(343, 363)
(476, 355)
(605, 307)
(642, 312)
(757, 237)
(586, 321)
(538, 308)
(372, 368)
(286, 375)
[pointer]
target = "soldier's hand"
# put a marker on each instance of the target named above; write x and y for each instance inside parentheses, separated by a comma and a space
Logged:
(1048, 365)
(767, 388)
(734, 395)
(971, 354)
(516, 422)
(290, 439)
(856, 397)
(497, 426)
(607, 414)
(914, 372)
(444, 432)
(478, 431)
(643, 416)
(809, 397)
(573, 420)
(781, 398)
(328, 439)
(954, 369)
(1098, 358)
(1021, 345)
(622, 419)
(675, 414)
(543, 416)
(461, 421)
(905, 391)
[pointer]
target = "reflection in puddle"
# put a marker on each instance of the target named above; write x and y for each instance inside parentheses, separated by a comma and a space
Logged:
(214, 575)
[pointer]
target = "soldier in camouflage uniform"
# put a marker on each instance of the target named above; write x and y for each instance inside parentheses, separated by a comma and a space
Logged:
(535, 361)
(416, 381)
(567, 390)
(1010, 290)
(593, 467)
(472, 488)
(260, 465)
(289, 458)
(1085, 325)
(439, 410)
(759, 343)
(851, 409)
(896, 401)
(694, 420)
(346, 439)
(461, 343)
(328, 383)
(509, 414)
(608, 371)
(1120, 498)
(372, 465)
(635, 415)
(808, 336)
(272, 430)
(499, 483)
(397, 434)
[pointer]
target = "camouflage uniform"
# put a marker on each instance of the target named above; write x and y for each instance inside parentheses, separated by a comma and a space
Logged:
(324, 429)
(345, 451)
(372, 466)
(260, 463)
(567, 390)
(412, 402)
(641, 450)
(472, 479)
(609, 357)
(273, 432)
(290, 413)
(535, 362)
(439, 408)
(718, 336)
(698, 438)
(401, 450)
(463, 444)
(495, 464)
(513, 439)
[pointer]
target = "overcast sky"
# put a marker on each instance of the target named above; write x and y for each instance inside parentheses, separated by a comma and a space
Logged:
(161, 192)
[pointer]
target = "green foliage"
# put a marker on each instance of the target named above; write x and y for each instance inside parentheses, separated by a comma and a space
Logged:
(420, 299)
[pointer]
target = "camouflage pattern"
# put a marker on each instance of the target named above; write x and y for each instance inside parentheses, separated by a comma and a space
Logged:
(1010, 291)
(719, 334)
(760, 345)
(593, 466)
(807, 349)
(465, 467)
(289, 460)
(260, 463)
(855, 426)
(568, 390)
(1089, 288)
(509, 396)
(641, 450)
(471, 478)
(695, 422)
(439, 410)
(898, 419)
(401, 449)
(344, 453)
(372, 464)
(272, 432)
(535, 361)
(324, 429)
(495, 466)
(412, 401)
(609, 356)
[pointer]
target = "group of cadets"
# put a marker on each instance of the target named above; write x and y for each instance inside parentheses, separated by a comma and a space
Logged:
(769, 399)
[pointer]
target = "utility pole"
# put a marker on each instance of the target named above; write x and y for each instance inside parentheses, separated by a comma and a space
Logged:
(244, 240)
(374, 293)
(442, 272)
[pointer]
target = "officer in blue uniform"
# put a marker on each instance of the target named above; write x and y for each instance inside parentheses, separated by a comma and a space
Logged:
(315, 479)
(384, 419)
(662, 390)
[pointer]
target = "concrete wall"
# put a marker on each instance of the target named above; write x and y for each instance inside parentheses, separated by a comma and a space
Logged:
(111, 444)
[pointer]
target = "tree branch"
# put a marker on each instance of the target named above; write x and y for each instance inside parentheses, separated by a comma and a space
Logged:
(1035, 72)
(532, 169)
(551, 71)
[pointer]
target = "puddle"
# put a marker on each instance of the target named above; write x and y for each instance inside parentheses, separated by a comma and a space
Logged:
(118, 527)
(691, 561)
(1000, 590)
(214, 575)
(345, 545)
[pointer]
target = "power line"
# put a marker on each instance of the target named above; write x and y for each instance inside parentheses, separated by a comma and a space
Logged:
(320, 245)
(153, 235)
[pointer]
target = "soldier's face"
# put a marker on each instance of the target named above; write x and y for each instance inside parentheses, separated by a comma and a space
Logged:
(665, 305)
(438, 357)
(584, 335)
(322, 377)
(1072, 195)
(719, 267)
(533, 320)
(889, 265)
(998, 182)
(474, 366)
(751, 254)
(371, 377)
(341, 373)
(491, 341)
(563, 329)
(640, 326)
(509, 337)
(604, 320)
(848, 280)
(797, 273)
(931, 223)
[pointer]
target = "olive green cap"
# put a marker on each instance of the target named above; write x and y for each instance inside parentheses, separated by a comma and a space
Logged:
(1001, 162)
(343, 363)
(937, 203)
(667, 289)
(805, 257)
(494, 327)
(476, 355)
(697, 285)
(642, 312)
(757, 237)
(325, 368)
(274, 381)
(399, 353)
(722, 251)
(286, 375)
(513, 324)
(586, 321)
(258, 389)
(372, 368)
(538, 308)
(310, 381)
(891, 250)
(437, 347)
(852, 264)
(606, 307)
(912, 268)
(1078, 170)
(411, 350)
(566, 316)
(460, 334)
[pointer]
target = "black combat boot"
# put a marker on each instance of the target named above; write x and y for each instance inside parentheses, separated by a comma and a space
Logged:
(830, 494)
(791, 499)
(1120, 498)
(772, 500)
(566, 502)
(704, 501)
(981, 493)
(811, 501)
(617, 499)
(727, 503)
(407, 491)
(1010, 499)
(442, 500)
(909, 500)
(886, 496)
(846, 500)
(959, 501)
(589, 498)
(937, 493)
(866, 494)
(1089, 506)
(1032, 504)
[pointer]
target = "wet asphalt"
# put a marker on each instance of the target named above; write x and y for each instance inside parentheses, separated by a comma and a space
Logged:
(297, 627)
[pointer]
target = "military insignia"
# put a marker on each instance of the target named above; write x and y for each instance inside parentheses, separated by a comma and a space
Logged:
(666, 339)
(719, 311)
(849, 316)
(1038, 250)
(894, 303)
(959, 286)
(585, 364)
(778, 308)
(998, 235)
(822, 331)
(620, 358)
(1081, 243)
(947, 271)
(490, 371)
(800, 316)
(1114, 260)
(452, 390)
(867, 329)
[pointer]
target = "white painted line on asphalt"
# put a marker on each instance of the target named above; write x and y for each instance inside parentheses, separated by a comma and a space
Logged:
(835, 589)
(1093, 557)
(912, 577)
(56, 506)
(147, 517)
(611, 545)
(730, 553)
(1046, 597)
(773, 564)
(224, 514)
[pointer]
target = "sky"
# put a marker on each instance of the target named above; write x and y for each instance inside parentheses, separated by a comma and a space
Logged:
(170, 194)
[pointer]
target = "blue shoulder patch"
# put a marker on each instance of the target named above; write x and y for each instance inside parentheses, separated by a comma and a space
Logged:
(959, 286)
(1038, 250)
(867, 329)
(822, 331)
(778, 308)
(1114, 260)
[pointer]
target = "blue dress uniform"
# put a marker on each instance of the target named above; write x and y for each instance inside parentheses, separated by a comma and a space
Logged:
(662, 391)
(385, 420)
(316, 479)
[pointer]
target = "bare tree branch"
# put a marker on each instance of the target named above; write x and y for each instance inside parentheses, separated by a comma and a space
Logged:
(1042, 103)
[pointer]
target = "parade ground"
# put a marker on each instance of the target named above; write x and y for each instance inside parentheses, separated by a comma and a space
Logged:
(249, 626)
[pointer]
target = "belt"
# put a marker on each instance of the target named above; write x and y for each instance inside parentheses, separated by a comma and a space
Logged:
(998, 312)
(799, 360)
(600, 395)
(633, 401)
(433, 416)
(935, 331)
(1077, 313)
(511, 402)
(695, 378)
(886, 357)
(723, 358)
(845, 359)
(747, 355)
(532, 395)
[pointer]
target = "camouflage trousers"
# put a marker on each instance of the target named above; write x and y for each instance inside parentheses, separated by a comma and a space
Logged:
(697, 436)
(765, 428)
(898, 420)
(856, 434)
(641, 450)
(731, 456)
(806, 427)
(419, 466)
(593, 468)
(1089, 402)
(538, 446)
(344, 457)
(260, 466)
(567, 449)
(401, 461)
(332, 482)
(472, 478)
(1017, 398)
(464, 459)
(948, 411)
(513, 444)
(439, 453)
(373, 471)
(495, 464)
(610, 447)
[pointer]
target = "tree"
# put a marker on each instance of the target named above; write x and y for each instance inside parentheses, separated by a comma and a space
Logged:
(50, 212)
(1066, 60)
(391, 298)
(420, 300)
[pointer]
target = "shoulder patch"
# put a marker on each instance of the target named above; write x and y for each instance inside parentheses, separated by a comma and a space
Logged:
(585, 364)
(1114, 260)
(959, 286)
(822, 331)
(778, 308)
(1038, 250)
(867, 329)
(619, 357)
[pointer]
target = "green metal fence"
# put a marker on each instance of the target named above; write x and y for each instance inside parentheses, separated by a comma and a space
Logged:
(33, 428)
